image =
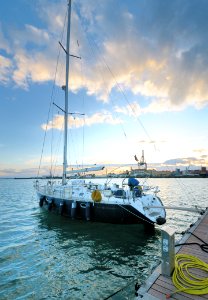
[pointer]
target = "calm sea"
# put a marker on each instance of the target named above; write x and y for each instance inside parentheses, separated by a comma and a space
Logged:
(43, 256)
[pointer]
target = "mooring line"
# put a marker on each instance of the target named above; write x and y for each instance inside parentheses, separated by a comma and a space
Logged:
(135, 214)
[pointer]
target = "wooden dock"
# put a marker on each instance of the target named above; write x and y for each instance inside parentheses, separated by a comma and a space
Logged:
(157, 286)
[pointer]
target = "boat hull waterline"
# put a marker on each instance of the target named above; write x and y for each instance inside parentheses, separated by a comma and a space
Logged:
(115, 205)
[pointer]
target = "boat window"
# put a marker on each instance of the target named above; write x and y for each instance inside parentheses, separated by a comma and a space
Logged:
(119, 193)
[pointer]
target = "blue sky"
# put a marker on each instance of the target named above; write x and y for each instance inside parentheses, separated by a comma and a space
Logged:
(141, 82)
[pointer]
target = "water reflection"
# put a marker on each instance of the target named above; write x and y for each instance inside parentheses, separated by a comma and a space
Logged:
(101, 255)
(127, 238)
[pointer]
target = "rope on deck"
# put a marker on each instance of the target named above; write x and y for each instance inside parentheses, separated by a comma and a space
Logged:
(184, 280)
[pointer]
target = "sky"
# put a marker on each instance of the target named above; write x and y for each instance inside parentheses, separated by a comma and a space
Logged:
(141, 83)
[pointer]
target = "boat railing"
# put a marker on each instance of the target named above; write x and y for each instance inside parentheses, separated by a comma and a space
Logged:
(73, 191)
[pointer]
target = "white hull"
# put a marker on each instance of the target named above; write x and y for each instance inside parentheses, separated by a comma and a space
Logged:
(113, 203)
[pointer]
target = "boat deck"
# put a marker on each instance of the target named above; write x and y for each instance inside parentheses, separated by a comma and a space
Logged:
(157, 286)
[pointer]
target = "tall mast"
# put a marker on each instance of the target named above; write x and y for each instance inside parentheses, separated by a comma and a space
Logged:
(66, 95)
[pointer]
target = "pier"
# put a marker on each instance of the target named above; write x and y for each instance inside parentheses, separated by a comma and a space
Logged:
(159, 286)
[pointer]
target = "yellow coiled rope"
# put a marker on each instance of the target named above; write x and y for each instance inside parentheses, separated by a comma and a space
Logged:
(184, 278)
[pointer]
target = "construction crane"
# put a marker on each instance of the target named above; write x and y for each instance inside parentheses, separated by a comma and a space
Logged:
(141, 163)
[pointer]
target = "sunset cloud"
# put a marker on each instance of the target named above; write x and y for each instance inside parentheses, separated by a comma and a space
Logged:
(37, 68)
(5, 69)
(156, 62)
(132, 109)
(169, 69)
(186, 161)
(97, 118)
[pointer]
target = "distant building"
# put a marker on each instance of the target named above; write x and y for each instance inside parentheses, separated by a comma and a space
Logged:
(203, 172)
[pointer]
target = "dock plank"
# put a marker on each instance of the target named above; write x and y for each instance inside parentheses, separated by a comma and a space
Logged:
(163, 285)
(170, 288)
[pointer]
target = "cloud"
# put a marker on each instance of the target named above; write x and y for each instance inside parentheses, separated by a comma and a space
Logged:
(30, 38)
(164, 55)
(32, 50)
(131, 109)
(5, 69)
(201, 150)
(37, 69)
(52, 14)
(155, 106)
(77, 122)
(23, 172)
(154, 49)
(149, 142)
(186, 161)
(31, 167)
(45, 160)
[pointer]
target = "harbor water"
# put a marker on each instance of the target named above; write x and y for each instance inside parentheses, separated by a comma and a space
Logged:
(46, 256)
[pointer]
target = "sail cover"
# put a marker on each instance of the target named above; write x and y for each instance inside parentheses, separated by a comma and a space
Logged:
(83, 170)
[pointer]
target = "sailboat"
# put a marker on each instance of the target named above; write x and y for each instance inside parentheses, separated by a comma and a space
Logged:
(127, 203)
